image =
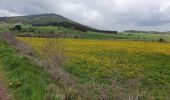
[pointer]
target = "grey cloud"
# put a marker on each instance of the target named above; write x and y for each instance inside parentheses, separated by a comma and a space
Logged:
(103, 14)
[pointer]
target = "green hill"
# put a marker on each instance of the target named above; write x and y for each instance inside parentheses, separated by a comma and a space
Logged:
(36, 19)
(50, 20)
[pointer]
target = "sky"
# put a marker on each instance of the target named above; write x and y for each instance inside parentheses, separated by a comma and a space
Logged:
(120, 15)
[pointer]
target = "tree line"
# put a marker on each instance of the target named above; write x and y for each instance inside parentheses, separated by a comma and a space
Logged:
(76, 26)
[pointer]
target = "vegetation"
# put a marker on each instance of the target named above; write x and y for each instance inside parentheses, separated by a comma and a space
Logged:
(143, 64)
(57, 31)
(26, 80)
(148, 32)
(54, 58)
(80, 27)
(4, 28)
(51, 20)
(35, 19)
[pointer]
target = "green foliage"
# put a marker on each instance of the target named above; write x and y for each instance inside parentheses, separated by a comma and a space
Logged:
(18, 27)
(26, 80)
(161, 40)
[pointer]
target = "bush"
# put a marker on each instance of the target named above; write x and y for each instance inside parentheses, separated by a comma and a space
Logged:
(161, 40)
(76, 37)
(18, 27)
(51, 32)
(53, 59)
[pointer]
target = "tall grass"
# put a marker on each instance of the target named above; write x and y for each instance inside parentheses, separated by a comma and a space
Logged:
(52, 58)
(25, 79)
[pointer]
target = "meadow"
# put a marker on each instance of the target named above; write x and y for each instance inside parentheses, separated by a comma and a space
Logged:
(70, 62)
(113, 66)
(71, 33)
(147, 63)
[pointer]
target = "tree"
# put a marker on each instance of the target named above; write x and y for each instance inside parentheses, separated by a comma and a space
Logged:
(18, 27)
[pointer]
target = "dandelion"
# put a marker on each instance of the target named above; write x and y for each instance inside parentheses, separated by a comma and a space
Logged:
(10, 84)
(105, 56)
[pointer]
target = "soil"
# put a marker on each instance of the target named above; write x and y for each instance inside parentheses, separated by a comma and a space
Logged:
(3, 93)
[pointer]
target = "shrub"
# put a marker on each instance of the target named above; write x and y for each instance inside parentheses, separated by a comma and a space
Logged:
(18, 27)
(76, 37)
(39, 31)
(53, 58)
(161, 40)
(51, 32)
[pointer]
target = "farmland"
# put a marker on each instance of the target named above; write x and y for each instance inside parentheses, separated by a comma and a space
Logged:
(61, 63)
(71, 33)
(105, 60)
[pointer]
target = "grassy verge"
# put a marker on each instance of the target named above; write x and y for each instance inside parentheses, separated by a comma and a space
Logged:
(26, 80)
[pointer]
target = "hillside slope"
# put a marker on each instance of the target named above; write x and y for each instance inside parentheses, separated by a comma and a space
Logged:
(36, 19)
(50, 20)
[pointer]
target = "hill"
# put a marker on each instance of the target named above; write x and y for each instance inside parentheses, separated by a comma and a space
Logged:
(147, 32)
(50, 20)
(36, 19)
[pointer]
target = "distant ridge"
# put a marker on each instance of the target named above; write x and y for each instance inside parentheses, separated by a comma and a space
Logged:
(50, 19)
(36, 19)
(147, 32)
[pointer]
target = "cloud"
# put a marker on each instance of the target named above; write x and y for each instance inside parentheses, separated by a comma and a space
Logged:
(103, 14)
(7, 13)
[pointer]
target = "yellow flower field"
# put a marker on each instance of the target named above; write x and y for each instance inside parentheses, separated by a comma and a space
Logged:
(107, 58)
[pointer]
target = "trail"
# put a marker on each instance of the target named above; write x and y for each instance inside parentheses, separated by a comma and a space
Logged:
(4, 94)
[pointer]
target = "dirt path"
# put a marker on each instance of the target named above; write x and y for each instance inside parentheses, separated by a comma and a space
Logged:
(3, 93)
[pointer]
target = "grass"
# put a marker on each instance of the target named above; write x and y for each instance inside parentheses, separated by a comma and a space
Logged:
(71, 33)
(102, 60)
(4, 28)
(148, 37)
(26, 80)
(97, 58)
(54, 30)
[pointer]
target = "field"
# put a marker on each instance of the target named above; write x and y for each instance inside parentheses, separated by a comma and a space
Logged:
(50, 57)
(4, 27)
(29, 30)
(71, 33)
(86, 65)
(105, 60)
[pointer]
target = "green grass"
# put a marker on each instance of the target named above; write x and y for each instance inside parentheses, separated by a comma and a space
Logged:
(71, 33)
(4, 28)
(26, 80)
(145, 64)
(94, 35)
(146, 37)
(153, 69)
(155, 73)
